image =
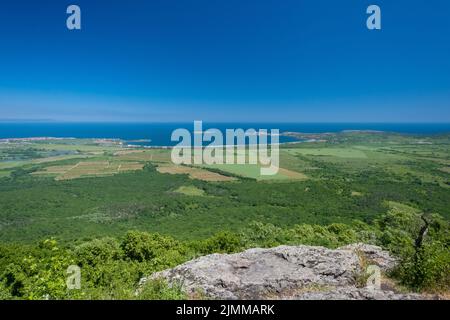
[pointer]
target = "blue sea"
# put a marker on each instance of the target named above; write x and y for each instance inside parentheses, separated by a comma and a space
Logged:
(158, 134)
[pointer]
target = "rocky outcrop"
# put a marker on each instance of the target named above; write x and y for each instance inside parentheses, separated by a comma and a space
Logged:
(285, 272)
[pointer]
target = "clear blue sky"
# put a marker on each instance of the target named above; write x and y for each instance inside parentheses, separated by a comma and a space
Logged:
(226, 60)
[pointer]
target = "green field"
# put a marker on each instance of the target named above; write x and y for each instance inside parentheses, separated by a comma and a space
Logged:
(4, 173)
(333, 152)
(190, 191)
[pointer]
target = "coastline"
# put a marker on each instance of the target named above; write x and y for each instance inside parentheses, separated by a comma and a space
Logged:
(135, 136)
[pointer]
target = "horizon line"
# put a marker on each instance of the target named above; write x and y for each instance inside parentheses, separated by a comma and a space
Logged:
(213, 121)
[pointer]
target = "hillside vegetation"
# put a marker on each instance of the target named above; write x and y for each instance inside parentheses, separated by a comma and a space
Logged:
(376, 188)
(111, 267)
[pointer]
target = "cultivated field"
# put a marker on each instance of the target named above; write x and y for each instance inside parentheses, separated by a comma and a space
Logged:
(194, 173)
(155, 155)
(89, 169)
(254, 171)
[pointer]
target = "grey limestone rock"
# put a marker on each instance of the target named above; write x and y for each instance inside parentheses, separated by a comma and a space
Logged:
(284, 272)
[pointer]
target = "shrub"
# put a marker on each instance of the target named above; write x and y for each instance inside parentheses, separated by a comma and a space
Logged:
(97, 252)
(40, 277)
(223, 242)
(4, 293)
(112, 280)
(162, 251)
(259, 234)
(428, 269)
(159, 290)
